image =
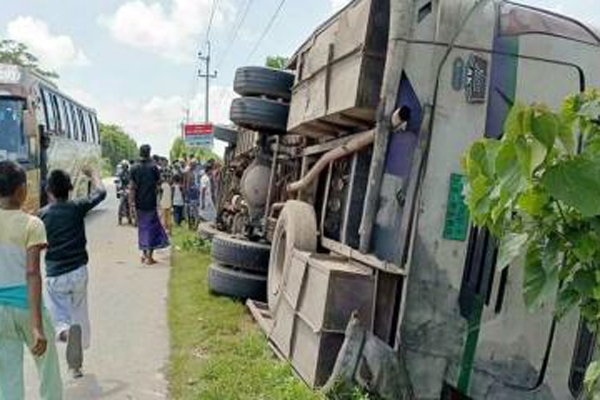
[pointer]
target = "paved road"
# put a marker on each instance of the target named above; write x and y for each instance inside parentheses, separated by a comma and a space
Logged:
(128, 313)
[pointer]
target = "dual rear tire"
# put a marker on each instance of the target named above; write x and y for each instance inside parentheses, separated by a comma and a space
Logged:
(266, 93)
(239, 268)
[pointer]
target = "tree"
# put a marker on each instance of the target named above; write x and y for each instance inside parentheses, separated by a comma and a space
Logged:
(16, 53)
(277, 62)
(117, 145)
(179, 150)
(537, 190)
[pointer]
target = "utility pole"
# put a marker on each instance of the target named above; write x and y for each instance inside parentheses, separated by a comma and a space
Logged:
(208, 76)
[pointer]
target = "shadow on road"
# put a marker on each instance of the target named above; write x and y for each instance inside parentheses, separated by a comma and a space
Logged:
(88, 387)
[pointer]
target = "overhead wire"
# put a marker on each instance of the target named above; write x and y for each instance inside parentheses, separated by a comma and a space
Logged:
(234, 35)
(266, 30)
(195, 83)
(213, 11)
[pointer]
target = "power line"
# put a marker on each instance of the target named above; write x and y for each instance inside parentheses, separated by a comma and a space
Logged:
(194, 84)
(213, 11)
(236, 30)
(267, 29)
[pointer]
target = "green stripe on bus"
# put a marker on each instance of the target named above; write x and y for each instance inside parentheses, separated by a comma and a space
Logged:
(468, 358)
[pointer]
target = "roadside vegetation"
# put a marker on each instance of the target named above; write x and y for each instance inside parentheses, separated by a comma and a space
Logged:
(217, 352)
(545, 205)
(179, 150)
(116, 146)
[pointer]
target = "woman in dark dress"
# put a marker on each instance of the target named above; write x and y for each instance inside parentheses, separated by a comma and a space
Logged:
(144, 183)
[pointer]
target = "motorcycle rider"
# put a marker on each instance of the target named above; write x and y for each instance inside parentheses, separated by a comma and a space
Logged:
(124, 209)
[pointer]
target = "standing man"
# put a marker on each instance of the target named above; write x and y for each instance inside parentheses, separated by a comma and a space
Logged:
(66, 263)
(192, 195)
(144, 185)
(208, 212)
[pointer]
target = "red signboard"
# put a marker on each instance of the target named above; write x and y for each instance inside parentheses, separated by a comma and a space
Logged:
(191, 130)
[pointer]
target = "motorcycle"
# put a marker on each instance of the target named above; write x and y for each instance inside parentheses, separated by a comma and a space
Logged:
(124, 210)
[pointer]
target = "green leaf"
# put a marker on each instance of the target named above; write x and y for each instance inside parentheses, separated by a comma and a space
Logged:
(567, 299)
(566, 134)
(590, 110)
(510, 248)
(539, 284)
(513, 127)
(591, 377)
(538, 154)
(585, 246)
(524, 155)
(545, 128)
(533, 202)
(480, 159)
(511, 178)
(575, 182)
(584, 282)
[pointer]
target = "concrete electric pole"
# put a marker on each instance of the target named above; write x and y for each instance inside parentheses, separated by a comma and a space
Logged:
(208, 76)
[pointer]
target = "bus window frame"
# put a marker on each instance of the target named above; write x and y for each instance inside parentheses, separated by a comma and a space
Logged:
(61, 113)
(48, 111)
(58, 124)
(76, 130)
(84, 135)
(88, 126)
(65, 106)
(97, 128)
(94, 128)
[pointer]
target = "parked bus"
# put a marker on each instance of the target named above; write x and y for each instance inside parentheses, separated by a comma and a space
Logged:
(43, 129)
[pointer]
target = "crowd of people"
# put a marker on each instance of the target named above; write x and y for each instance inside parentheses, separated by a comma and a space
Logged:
(155, 194)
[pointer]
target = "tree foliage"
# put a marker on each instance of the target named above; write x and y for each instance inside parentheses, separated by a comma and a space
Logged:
(179, 151)
(117, 145)
(16, 53)
(277, 62)
(538, 191)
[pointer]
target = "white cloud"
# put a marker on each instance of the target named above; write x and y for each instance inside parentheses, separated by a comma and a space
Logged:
(157, 121)
(173, 31)
(55, 52)
(337, 5)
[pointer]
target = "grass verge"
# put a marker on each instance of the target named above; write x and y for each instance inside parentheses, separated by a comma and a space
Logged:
(217, 352)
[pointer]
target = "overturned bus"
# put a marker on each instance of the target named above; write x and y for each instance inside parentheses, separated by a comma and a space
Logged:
(356, 174)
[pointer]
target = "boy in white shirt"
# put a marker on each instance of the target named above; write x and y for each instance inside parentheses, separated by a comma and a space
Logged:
(166, 205)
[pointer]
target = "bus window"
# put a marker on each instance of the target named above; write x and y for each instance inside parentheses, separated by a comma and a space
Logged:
(62, 116)
(88, 127)
(49, 110)
(13, 141)
(57, 116)
(96, 128)
(93, 128)
(75, 125)
(65, 110)
(84, 136)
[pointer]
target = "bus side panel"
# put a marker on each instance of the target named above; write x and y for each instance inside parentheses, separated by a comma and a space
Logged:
(434, 332)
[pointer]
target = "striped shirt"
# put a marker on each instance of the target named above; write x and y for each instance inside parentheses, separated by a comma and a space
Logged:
(18, 232)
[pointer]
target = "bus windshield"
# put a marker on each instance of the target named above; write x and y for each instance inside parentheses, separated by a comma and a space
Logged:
(13, 143)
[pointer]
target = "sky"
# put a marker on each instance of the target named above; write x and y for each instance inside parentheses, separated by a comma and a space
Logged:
(135, 61)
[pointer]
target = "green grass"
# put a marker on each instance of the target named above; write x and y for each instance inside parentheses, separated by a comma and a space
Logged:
(217, 352)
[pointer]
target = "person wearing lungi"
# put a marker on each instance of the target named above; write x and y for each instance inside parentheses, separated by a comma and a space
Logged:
(144, 185)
